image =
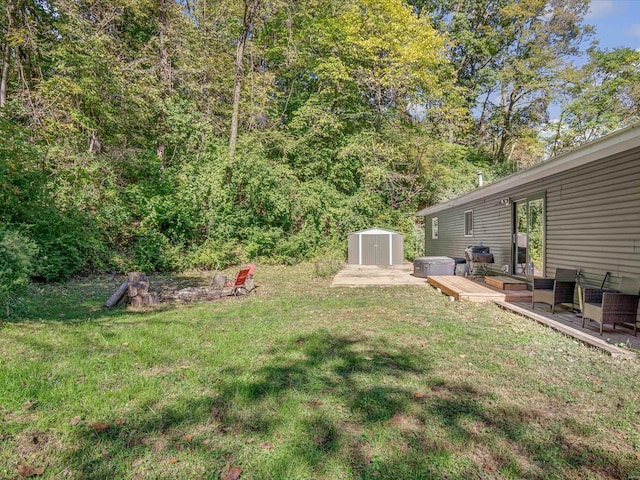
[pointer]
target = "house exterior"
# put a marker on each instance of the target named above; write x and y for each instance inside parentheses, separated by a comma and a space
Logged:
(578, 210)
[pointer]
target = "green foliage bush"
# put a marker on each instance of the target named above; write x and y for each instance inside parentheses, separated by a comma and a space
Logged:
(288, 196)
(67, 239)
(153, 252)
(133, 212)
(21, 181)
(69, 244)
(213, 255)
(294, 249)
(261, 242)
(343, 125)
(17, 256)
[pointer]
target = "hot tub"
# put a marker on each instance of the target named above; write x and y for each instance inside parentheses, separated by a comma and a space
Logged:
(425, 266)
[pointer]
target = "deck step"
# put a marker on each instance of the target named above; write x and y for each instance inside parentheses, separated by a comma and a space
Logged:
(506, 283)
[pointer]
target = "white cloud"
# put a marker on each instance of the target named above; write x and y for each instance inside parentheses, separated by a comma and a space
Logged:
(634, 31)
(600, 8)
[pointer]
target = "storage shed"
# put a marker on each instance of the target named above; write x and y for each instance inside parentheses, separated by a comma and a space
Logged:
(375, 246)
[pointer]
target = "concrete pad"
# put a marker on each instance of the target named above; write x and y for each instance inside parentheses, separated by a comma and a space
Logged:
(377, 275)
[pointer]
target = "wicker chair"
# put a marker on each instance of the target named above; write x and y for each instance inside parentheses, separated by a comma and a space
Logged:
(554, 291)
(611, 308)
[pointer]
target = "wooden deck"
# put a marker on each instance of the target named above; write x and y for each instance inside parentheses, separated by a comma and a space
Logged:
(567, 322)
(464, 288)
(564, 320)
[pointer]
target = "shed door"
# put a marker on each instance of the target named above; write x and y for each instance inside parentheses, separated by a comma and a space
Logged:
(375, 249)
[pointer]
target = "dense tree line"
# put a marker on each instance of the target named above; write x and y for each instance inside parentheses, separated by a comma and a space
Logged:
(164, 134)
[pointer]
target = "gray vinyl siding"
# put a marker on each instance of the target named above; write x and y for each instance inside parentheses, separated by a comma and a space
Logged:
(491, 226)
(592, 220)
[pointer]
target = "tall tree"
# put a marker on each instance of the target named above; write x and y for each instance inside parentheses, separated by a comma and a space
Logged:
(601, 96)
(27, 34)
(164, 68)
(508, 56)
(355, 82)
(249, 14)
(6, 27)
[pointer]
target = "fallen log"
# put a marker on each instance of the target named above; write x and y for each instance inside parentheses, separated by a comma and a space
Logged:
(117, 296)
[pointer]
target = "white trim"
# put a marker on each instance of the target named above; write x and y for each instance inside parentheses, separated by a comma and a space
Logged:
(359, 249)
(615, 143)
(390, 248)
(465, 223)
(374, 231)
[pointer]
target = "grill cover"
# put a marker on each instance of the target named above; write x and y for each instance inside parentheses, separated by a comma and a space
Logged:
(478, 254)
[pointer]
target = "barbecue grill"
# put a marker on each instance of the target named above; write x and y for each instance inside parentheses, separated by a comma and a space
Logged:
(478, 258)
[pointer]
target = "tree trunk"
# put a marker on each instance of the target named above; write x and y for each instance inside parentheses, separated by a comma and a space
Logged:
(163, 55)
(506, 128)
(164, 73)
(482, 121)
(95, 146)
(250, 8)
(4, 80)
(556, 137)
(6, 58)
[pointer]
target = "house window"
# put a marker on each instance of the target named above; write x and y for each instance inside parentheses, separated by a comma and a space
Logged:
(434, 228)
(468, 223)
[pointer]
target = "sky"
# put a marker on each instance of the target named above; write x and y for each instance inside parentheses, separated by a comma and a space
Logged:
(617, 22)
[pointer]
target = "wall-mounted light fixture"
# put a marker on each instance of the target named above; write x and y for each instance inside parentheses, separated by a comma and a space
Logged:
(505, 201)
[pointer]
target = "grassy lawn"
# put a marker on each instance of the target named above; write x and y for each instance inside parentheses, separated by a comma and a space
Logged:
(300, 380)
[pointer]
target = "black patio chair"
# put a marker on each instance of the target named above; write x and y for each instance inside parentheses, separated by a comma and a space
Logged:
(613, 307)
(554, 291)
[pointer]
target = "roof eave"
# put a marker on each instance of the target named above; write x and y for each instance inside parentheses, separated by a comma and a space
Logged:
(612, 144)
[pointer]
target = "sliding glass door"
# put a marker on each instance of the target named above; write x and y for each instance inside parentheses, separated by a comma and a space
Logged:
(528, 236)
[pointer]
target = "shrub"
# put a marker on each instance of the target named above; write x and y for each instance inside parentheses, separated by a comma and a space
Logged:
(293, 249)
(328, 264)
(261, 242)
(68, 242)
(17, 254)
(154, 253)
(213, 254)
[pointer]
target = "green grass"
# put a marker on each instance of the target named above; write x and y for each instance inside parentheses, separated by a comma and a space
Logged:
(300, 381)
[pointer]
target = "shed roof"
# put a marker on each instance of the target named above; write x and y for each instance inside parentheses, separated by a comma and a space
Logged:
(374, 231)
(615, 143)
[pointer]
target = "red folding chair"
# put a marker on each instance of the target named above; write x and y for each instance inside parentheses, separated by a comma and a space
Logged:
(239, 285)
